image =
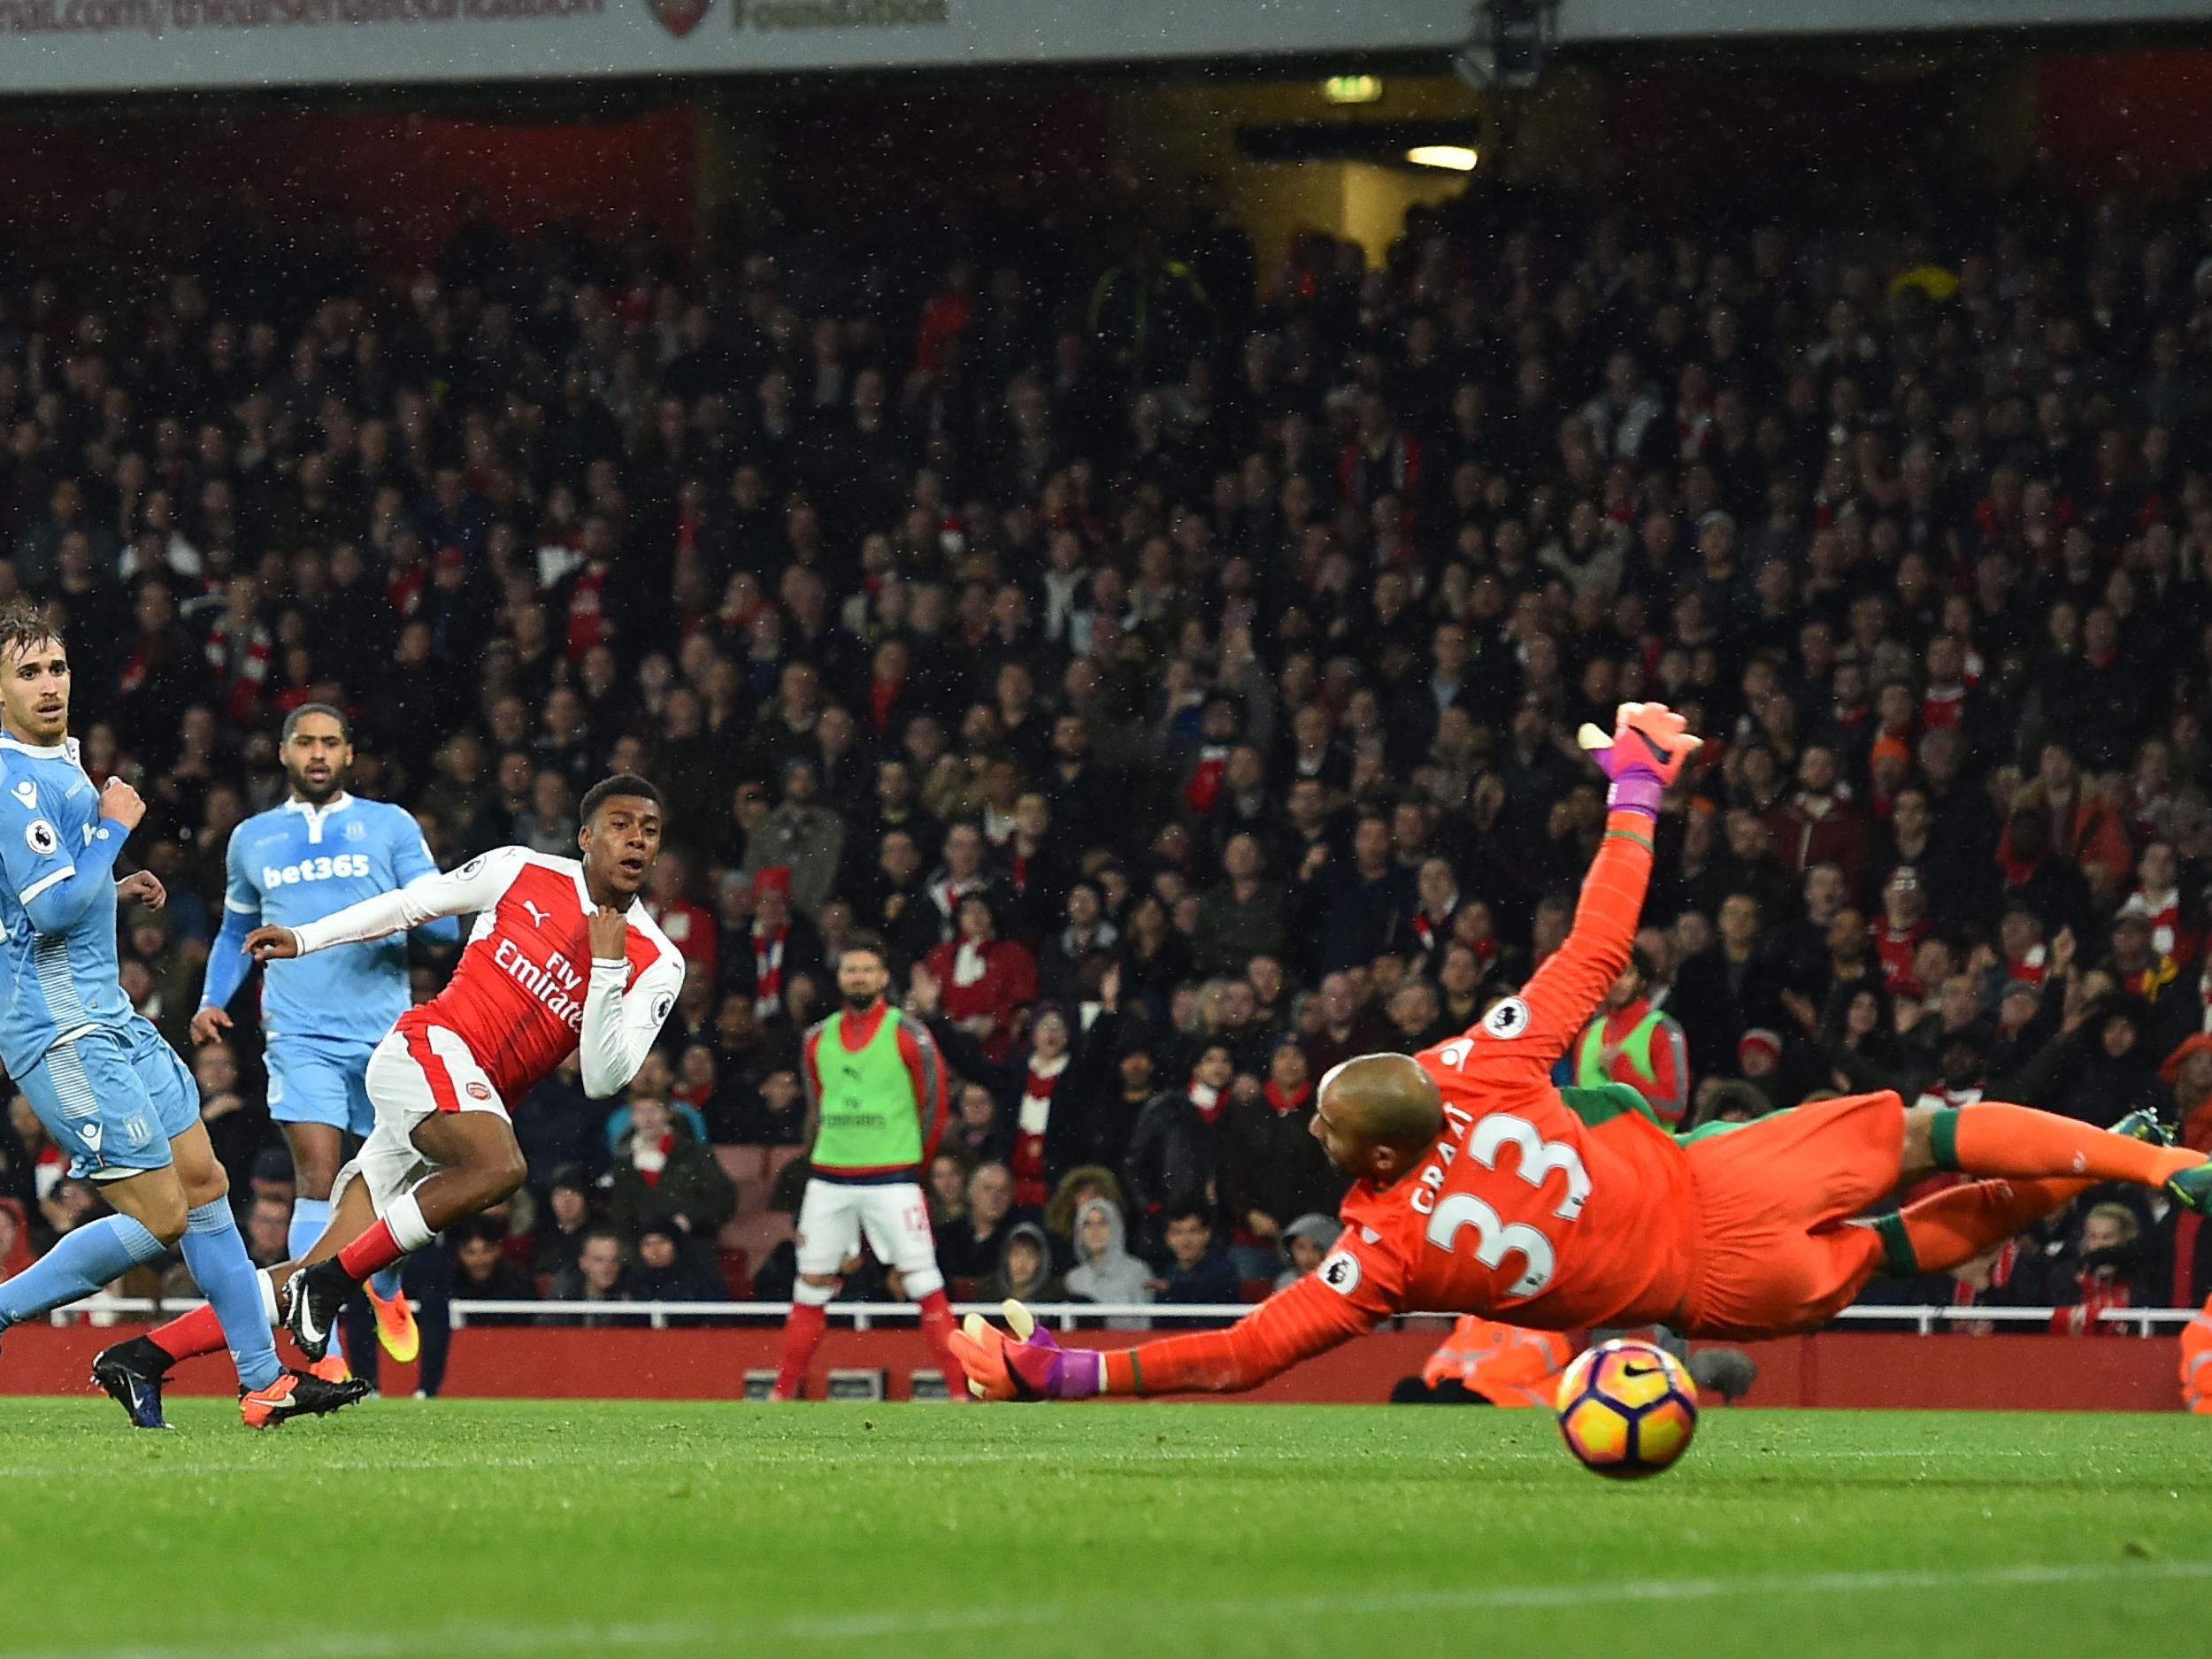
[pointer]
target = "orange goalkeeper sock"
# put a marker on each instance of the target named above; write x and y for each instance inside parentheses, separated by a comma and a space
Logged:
(1958, 1223)
(2020, 1143)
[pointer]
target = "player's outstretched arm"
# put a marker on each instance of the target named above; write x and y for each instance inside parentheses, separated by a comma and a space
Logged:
(1293, 1325)
(411, 862)
(1644, 754)
(475, 886)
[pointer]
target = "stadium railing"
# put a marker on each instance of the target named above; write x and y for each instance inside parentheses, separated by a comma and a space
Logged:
(1069, 1316)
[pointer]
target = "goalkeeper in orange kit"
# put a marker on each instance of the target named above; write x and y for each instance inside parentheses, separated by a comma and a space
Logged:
(1479, 1187)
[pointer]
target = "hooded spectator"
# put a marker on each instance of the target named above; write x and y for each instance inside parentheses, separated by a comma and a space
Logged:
(1104, 1272)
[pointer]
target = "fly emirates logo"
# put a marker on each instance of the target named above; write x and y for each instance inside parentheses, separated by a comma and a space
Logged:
(557, 985)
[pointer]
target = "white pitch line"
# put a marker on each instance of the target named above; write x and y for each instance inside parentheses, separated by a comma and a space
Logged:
(873, 1627)
(732, 1456)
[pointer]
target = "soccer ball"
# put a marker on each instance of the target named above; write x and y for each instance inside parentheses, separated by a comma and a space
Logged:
(1627, 1409)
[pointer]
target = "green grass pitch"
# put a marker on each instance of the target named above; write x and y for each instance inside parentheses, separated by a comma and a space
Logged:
(552, 1529)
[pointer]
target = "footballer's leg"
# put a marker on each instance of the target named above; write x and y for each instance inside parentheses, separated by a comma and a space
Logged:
(1955, 1225)
(86, 1094)
(477, 1162)
(217, 1256)
(829, 1232)
(318, 1148)
(896, 1221)
(145, 1360)
(307, 1098)
(396, 1330)
(1993, 1137)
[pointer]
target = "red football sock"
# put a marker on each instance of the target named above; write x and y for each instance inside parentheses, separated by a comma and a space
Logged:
(937, 1332)
(802, 1335)
(373, 1251)
(2020, 1143)
(199, 1332)
(1958, 1223)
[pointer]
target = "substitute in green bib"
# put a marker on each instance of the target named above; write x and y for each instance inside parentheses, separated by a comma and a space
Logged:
(875, 1089)
(1633, 1043)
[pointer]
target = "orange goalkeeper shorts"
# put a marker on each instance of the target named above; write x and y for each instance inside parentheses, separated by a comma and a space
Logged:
(1774, 1252)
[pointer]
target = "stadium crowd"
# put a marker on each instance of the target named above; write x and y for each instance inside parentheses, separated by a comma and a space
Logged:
(1177, 662)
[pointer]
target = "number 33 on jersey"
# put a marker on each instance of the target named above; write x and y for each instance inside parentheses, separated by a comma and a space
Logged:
(1519, 1203)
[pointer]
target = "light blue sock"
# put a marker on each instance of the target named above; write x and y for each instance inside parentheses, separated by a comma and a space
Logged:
(385, 1281)
(220, 1267)
(310, 1217)
(78, 1264)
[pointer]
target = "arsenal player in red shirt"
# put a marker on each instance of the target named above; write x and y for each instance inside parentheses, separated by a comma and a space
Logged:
(563, 959)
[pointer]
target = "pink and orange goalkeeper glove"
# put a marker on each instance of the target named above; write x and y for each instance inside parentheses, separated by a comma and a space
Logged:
(1645, 754)
(1031, 1366)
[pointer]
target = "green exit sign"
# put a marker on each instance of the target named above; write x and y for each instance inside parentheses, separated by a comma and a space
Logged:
(1353, 88)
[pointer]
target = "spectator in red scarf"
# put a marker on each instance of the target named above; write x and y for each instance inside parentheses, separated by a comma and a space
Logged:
(1430, 927)
(779, 946)
(988, 982)
(1272, 1169)
(2106, 1269)
(1046, 1092)
(2175, 924)
(665, 1175)
(1172, 1152)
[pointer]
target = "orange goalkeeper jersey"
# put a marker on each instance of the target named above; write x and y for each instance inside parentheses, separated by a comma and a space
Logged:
(1517, 1210)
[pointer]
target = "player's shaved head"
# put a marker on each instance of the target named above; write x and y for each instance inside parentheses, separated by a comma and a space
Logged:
(1374, 1112)
(1386, 1097)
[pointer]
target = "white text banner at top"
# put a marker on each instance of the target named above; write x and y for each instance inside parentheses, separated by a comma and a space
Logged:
(63, 46)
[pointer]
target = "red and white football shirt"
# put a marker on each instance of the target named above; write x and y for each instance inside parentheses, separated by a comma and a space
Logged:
(527, 993)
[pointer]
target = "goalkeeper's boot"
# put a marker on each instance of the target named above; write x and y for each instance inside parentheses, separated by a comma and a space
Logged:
(295, 1394)
(133, 1372)
(2144, 1125)
(2191, 1188)
(396, 1331)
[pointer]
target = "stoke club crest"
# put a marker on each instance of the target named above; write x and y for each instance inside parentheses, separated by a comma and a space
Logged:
(678, 17)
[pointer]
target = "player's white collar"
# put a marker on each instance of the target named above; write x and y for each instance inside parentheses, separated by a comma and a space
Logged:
(315, 815)
(51, 751)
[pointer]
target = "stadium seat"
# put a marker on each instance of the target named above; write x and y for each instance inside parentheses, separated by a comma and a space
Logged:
(742, 1164)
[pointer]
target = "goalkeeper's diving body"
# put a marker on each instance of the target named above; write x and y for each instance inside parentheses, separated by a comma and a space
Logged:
(1480, 1188)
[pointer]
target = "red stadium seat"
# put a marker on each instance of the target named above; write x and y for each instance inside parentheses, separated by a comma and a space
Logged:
(742, 1164)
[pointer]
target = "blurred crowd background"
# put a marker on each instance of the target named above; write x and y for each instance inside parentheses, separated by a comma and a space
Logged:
(1175, 651)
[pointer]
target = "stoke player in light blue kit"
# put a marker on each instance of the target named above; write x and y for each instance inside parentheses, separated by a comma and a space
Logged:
(113, 1095)
(321, 1015)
